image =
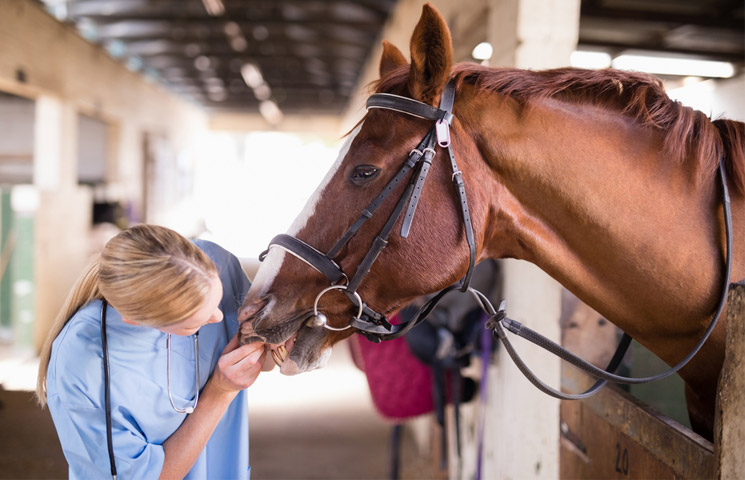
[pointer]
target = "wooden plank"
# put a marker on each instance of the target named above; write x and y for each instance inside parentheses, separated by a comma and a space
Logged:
(730, 425)
(613, 435)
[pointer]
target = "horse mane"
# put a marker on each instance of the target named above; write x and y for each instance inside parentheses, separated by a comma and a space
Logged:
(685, 132)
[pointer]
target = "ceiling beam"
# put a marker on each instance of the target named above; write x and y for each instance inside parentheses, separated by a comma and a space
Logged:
(724, 20)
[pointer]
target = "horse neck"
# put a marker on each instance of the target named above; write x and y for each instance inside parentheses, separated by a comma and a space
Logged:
(584, 194)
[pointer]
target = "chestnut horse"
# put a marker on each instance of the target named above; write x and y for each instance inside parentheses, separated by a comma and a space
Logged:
(597, 177)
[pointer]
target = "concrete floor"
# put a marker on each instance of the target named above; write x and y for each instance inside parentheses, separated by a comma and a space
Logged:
(318, 425)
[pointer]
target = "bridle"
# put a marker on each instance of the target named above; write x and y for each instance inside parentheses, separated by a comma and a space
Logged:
(368, 322)
(375, 326)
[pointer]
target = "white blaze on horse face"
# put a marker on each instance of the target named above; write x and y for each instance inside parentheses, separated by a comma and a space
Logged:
(273, 262)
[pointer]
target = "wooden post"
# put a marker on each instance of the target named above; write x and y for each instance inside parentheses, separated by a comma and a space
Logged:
(730, 425)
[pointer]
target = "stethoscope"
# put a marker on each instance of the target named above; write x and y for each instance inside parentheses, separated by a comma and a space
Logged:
(107, 384)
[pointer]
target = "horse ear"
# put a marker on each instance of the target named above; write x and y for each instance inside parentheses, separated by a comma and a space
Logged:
(392, 58)
(431, 56)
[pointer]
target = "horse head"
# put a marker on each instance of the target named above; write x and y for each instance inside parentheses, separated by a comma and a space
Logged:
(430, 253)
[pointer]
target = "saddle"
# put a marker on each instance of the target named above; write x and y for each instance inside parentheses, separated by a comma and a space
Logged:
(421, 372)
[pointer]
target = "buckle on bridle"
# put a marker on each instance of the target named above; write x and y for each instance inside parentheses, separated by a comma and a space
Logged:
(442, 128)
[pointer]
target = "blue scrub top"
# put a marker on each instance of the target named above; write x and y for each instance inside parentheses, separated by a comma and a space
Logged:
(142, 416)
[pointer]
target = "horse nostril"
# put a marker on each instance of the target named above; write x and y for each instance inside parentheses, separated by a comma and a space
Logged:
(250, 309)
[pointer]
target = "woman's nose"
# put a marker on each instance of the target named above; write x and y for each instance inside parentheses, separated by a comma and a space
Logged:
(217, 316)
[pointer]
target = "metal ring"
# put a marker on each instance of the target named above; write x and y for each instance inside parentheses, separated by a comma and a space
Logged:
(337, 287)
(417, 151)
(456, 173)
(431, 150)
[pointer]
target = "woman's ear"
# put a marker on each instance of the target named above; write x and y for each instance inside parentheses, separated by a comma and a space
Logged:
(391, 59)
(431, 56)
(130, 322)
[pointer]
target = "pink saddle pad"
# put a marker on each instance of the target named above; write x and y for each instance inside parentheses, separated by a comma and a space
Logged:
(400, 384)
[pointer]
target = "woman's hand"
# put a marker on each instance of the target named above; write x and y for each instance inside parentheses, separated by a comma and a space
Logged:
(238, 366)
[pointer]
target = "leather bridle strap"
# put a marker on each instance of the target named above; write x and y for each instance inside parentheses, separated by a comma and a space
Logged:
(307, 254)
(443, 117)
(381, 240)
(411, 161)
(409, 106)
(325, 264)
(443, 139)
(371, 323)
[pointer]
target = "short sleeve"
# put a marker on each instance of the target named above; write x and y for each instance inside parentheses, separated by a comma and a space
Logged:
(75, 397)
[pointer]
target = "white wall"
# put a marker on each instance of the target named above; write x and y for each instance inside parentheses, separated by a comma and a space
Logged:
(67, 76)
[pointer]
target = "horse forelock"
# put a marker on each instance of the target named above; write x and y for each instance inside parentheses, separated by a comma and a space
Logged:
(684, 132)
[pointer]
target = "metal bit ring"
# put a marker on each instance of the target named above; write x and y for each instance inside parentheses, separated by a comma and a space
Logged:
(337, 287)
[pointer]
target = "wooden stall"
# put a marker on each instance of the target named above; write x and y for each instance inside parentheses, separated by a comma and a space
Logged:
(614, 435)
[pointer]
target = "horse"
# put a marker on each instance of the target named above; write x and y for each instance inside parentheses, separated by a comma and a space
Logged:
(596, 177)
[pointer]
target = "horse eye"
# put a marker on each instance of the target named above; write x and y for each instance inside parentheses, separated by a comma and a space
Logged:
(364, 173)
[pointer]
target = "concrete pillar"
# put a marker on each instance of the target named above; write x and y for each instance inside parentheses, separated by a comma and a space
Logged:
(62, 248)
(522, 424)
(55, 138)
(534, 34)
(63, 219)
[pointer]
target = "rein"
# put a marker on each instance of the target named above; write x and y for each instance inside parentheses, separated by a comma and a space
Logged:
(375, 327)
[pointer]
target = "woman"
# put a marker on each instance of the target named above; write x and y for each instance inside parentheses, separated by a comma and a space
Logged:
(144, 299)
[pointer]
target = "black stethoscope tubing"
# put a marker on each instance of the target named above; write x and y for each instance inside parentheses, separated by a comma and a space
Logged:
(107, 389)
(107, 384)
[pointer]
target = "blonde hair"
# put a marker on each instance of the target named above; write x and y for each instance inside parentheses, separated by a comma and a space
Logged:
(150, 274)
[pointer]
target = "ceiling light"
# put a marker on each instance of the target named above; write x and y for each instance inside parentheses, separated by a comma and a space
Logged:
(271, 112)
(482, 51)
(231, 29)
(238, 44)
(591, 60)
(674, 66)
(214, 7)
(251, 75)
(263, 92)
(260, 32)
(202, 63)
(688, 81)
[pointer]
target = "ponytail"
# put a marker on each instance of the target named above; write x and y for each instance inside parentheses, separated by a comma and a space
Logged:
(84, 291)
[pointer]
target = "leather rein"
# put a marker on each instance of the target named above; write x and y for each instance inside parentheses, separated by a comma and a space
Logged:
(374, 325)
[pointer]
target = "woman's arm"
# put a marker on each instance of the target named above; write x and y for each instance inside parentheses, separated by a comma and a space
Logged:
(236, 370)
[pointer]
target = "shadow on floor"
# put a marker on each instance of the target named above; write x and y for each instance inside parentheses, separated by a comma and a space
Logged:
(28, 443)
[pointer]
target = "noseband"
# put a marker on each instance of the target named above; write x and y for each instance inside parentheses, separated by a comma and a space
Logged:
(368, 322)
(376, 327)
